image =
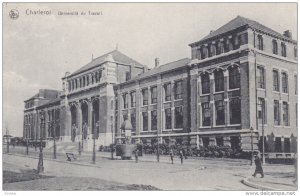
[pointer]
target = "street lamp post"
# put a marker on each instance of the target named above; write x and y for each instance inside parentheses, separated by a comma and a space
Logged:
(94, 142)
(263, 134)
(157, 147)
(41, 161)
(82, 130)
(251, 129)
(112, 144)
(54, 141)
(27, 150)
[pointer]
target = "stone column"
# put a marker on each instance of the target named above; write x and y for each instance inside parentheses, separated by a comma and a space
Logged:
(79, 121)
(226, 100)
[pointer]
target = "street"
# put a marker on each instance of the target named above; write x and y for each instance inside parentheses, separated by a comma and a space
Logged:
(194, 174)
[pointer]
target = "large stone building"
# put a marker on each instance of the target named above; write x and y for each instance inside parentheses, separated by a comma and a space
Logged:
(241, 81)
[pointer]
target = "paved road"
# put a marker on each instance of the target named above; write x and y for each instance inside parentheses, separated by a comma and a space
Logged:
(192, 175)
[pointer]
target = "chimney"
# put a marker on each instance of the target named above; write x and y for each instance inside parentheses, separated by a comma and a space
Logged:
(288, 34)
(211, 31)
(156, 62)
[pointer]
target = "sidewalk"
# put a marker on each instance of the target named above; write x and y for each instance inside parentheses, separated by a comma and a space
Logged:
(277, 178)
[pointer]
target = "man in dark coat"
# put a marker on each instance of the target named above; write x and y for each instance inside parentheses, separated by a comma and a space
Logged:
(171, 155)
(181, 156)
(136, 154)
(258, 167)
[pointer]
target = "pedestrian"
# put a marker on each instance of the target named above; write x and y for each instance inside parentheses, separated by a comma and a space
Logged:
(181, 156)
(171, 155)
(136, 154)
(258, 167)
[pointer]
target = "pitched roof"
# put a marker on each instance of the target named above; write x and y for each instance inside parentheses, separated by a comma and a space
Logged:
(165, 67)
(240, 21)
(116, 55)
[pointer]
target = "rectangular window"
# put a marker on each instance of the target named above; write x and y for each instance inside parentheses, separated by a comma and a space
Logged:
(283, 49)
(128, 76)
(145, 96)
(296, 114)
(296, 84)
(285, 111)
(205, 83)
(234, 78)
(153, 94)
(154, 120)
(260, 42)
(275, 47)
(235, 111)
(275, 80)
(168, 118)
(206, 114)
(276, 113)
(125, 100)
(295, 52)
(133, 121)
(220, 112)
(260, 77)
(168, 92)
(178, 90)
(284, 78)
(178, 117)
(219, 81)
(261, 110)
(132, 99)
(145, 121)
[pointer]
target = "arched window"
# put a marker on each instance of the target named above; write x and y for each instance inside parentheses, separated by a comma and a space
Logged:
(234, 77)
(219, 80)
(205, 83)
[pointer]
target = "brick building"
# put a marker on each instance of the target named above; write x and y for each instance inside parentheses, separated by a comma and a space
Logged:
(240, 82)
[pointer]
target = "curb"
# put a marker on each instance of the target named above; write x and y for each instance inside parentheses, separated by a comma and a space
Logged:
(56, 160)
(260, 187)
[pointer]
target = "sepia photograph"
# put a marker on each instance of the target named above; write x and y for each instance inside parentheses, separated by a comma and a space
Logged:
(150, 97)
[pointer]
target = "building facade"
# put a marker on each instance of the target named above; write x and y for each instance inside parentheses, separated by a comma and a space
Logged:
(239, 87)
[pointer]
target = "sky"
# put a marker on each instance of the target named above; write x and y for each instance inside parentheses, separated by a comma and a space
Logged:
(39, 49)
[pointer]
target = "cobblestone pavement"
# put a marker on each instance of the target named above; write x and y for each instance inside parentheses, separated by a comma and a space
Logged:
(201, 174)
